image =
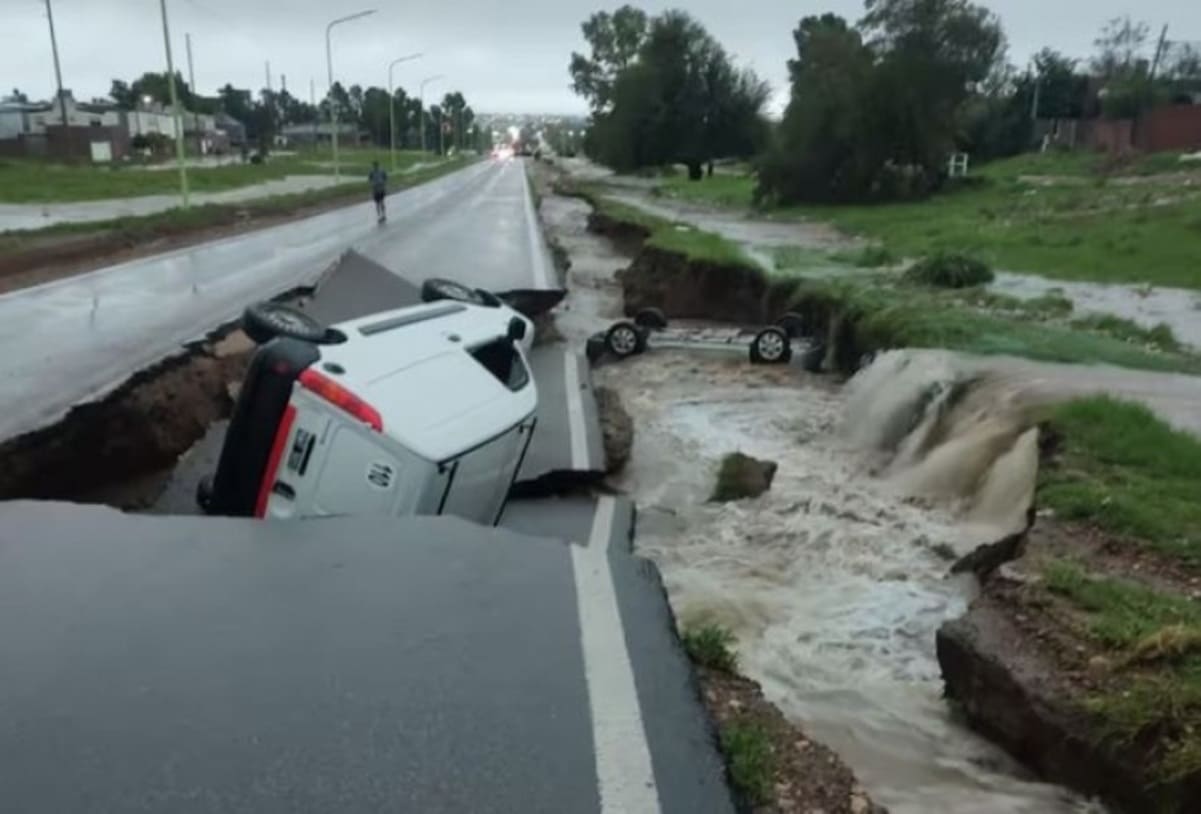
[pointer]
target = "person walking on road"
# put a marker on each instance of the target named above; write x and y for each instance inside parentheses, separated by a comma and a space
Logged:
(379, 190)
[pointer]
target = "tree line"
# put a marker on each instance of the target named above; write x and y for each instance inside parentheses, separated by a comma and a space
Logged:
(266, 114)
(875, 106)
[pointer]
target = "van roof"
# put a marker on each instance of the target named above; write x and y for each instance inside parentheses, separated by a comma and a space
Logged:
(414, 366)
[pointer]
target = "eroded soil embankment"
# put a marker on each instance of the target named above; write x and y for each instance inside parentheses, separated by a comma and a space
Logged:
(686, 288)
(114, 450)
(1024, 670)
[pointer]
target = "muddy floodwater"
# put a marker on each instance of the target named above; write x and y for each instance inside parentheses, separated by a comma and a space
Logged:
(834, 581)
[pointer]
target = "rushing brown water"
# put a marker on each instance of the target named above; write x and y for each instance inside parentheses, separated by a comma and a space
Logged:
(835, 581)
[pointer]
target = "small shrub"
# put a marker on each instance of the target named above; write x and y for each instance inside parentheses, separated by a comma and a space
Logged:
(711, 646)
(950, 270)
(749, 759)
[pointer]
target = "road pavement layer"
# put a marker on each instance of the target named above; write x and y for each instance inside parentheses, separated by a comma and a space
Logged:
(346, 664)
(76, 339)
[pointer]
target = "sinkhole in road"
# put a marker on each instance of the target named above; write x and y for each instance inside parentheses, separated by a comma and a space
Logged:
(836, 579)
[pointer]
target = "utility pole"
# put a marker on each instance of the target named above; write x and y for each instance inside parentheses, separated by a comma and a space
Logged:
(187, 38)
(313, 102)
(441, 131)
(329, 64)
(58, 71)
(392, 105)
(179, 151)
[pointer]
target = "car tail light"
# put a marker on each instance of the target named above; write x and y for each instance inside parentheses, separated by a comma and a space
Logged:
(342, 398)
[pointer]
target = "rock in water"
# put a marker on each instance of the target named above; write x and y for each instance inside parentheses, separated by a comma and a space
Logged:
(742, 476)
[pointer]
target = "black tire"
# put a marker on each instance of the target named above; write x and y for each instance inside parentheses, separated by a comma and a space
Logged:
(792, 324)
(771, 346)
(625, 339)
(595, 348)
(438, 288)
(652, 318)
(204, 494)
(265, 321)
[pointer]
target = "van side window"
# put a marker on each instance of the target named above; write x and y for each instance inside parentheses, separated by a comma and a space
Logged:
(503, 361)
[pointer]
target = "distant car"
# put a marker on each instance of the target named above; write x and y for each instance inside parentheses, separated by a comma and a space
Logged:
(422, 410)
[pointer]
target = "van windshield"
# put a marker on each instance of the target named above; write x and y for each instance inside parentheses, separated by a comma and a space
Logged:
(501, 359)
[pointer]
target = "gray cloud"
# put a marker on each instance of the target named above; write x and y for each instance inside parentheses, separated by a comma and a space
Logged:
(505, 56)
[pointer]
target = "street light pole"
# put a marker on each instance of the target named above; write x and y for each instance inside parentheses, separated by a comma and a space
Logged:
(329, 64)
(58, 72)
(392, 105)
(179, 151)
(425, 82)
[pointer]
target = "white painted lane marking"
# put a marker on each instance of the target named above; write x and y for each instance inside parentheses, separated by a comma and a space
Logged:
(624, 773)
(540, 268)
(485, 195)
(575, 412)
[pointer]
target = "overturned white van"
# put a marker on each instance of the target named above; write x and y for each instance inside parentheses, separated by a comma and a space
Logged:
(422, 410)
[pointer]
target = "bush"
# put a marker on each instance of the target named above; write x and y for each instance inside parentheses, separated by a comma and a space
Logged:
(711, 646)
(948, 270)
(749, 759)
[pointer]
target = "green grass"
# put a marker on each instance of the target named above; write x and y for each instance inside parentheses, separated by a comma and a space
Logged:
(679, 238)
(727, 190)
(1155, 639)
(949, 270)
(1090, 230)
(36, 181)
(1125, 471)
(1161, 336)
(887, 317)
(711, 646)
(869, 257)
(133, 230)
(749, 758)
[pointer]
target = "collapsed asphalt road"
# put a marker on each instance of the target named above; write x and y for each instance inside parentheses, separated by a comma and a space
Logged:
(420, 664)
(76, 339)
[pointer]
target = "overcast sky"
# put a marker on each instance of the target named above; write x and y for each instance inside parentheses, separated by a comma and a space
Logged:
(505, 55)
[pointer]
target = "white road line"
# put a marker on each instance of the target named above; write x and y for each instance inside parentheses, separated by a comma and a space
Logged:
(541, 270)
(483, 196)
(624, 774)
(575, 412)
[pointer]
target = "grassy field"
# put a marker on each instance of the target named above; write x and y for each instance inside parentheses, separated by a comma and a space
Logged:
(1080, 225)
(1120, 469)
(674, 237)
(887, 315)
(133, 230)
(33, 181)
(1125, 471)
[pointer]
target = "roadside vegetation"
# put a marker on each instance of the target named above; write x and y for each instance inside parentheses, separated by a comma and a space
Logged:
(711, 646)
(1116, 468)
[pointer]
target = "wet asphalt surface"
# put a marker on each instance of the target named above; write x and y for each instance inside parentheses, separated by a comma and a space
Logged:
(344, 664)
(75, 339)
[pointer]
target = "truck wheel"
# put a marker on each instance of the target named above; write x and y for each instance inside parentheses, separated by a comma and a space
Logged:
(652, 318)
(265, 321)
(771, 347)
(792, 324)
(624, 340)
(437, 288)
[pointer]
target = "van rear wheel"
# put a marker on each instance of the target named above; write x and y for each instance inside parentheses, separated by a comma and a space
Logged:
(438, 288)
(771, 347)
(625, 339)
(265, 321)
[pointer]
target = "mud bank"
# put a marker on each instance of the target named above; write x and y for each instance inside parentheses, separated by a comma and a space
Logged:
(1019, 669)
(119, 450)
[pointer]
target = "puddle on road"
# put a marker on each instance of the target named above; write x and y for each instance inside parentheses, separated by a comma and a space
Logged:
(833, 584)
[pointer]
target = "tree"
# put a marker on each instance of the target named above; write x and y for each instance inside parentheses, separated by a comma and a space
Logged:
(1121, 48)
(1062, 91)
(17, 96)
(123, 95)
(875, 111)
(680, 100)
(615, 40)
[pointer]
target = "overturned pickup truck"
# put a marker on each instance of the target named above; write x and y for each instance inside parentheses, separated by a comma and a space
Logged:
(427, 410)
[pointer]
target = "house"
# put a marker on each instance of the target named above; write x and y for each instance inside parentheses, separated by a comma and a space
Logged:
(64, 128)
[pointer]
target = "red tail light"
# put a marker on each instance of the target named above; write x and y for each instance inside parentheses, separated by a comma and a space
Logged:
(342, 398)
